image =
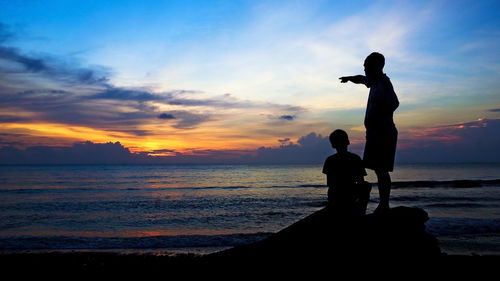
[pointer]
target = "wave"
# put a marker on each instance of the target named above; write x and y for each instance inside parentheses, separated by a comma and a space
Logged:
(150, 242)
(461, 226)
(455, 205)
(435, 226)
(395, 185)
(449, 183)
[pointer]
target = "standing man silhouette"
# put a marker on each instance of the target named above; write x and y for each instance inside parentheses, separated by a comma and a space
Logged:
(381, 132)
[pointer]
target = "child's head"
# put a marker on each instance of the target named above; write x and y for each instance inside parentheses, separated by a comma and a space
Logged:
(374, 63)
(339, 139)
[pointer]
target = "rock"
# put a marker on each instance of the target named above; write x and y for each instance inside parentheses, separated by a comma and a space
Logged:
(397, 233)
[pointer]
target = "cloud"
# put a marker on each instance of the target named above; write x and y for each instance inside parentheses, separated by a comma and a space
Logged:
(287, 117)
(16, 63)
(44, 89)
(117, 108)
(79, 153)
(182, 98)
(189, 120)
(123, 94)
(494, 110)
(112, 153)
(92, 101)
(284, 141)
(225, 101)
(166, 116)
(475, 141)
(185, 119)
(312, 148)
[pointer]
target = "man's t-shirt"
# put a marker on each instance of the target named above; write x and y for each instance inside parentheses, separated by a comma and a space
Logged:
(382, 102)
(343, 169)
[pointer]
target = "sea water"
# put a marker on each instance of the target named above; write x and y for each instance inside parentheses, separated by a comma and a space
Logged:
(205, 208)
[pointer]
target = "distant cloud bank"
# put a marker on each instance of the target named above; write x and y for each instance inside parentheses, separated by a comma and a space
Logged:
(312, 148)
(476, 141)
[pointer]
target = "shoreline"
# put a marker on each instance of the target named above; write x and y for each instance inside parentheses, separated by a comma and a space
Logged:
(91, 262)
(478, 244)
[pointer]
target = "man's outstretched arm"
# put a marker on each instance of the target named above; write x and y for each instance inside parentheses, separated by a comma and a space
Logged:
(357, 79)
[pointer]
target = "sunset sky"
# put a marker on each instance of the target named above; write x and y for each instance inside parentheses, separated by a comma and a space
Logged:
(232, 78)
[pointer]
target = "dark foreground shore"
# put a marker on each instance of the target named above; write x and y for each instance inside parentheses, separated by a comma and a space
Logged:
(59, 263)
(71, 265)
(320, 244)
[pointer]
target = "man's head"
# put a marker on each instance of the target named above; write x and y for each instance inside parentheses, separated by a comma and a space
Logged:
(339, 139)
(374, 64)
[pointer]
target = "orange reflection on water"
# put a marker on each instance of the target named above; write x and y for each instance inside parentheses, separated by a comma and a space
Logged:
(126, 233)
(174, 232)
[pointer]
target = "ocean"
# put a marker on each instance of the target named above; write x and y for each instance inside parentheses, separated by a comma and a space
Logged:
(200, 209)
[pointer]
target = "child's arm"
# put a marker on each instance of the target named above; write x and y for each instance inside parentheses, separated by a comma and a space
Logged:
(357, 79)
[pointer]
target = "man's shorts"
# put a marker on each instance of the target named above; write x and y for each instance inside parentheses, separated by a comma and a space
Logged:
(380, 148)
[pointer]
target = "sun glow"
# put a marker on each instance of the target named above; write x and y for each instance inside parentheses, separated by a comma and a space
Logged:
(164, 142)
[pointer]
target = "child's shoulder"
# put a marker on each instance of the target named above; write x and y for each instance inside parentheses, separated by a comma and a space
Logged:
(353, 155)
(337, 157)
(330, 158)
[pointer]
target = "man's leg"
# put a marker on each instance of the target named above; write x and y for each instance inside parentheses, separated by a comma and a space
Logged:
(363, 189)
(384, 189)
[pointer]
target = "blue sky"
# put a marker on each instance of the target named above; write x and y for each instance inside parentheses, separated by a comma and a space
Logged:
(238, 75)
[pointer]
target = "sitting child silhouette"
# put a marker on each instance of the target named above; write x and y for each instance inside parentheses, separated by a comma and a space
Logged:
(348, 192)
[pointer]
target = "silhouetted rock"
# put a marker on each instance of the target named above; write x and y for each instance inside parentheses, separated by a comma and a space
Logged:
(397, 233)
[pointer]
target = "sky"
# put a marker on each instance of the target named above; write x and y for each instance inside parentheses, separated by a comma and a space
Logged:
(242, 81)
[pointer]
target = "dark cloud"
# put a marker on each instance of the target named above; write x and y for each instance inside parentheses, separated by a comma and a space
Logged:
(494, 110)
(29, 64)
(44, 93)
(287, 117)
(66, 107)
(49, 67)
(79, 153)
(166, 116)
(185, 119)
(15, 62)
(111, 153)
(135, 132)
(74, 109)
(312, 148)
(226, 101)
(188, 120)
(180, 98)
(162, 151)
(121, 94)
(12, 119)
(476, 141)
(313, 140)
(284, 141)
(10, 139)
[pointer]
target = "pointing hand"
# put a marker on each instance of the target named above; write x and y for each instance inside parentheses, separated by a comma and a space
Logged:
(344, 79)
